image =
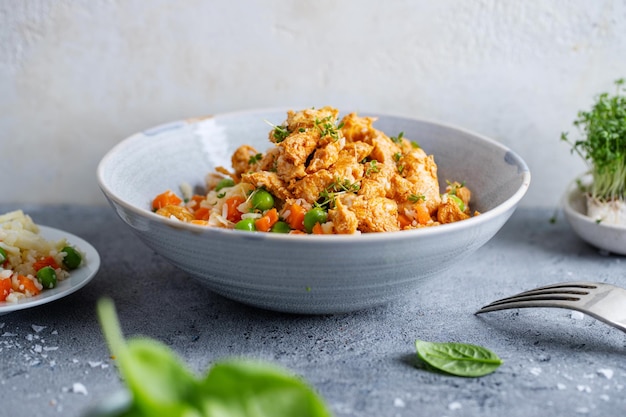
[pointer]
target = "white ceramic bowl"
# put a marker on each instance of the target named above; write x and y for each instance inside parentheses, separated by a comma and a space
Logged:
(304, 273)
(608, 237)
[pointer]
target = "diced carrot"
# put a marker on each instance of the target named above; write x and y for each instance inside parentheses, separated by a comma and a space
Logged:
(232, 203)
(197, 198)
(5, 288)
(43, 262)
(194, 201)
(422, 214)
(317, 229)
(200, 222)
(26, 284)
(404, 220)
(165, 199)
(296, 217)
(265, 222)
(202, 213)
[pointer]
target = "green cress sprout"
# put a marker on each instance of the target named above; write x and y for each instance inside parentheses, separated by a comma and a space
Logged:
(603, 144)
(161, 384)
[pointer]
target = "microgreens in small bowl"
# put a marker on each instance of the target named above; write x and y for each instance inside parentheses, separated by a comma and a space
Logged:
(603, 147)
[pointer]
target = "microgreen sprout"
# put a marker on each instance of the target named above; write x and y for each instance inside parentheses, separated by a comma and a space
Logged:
(603, 144)
(279, 133)
(414, 198)
(327, 127)
(337, 187)
(255, 158)
(372, 168)
(397, 139)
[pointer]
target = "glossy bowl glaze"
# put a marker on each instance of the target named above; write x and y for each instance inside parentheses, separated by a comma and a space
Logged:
(305, 273)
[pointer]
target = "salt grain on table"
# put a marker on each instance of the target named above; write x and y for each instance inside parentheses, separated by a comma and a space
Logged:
(577, 315)
(36, 328)
(398, 402)
(78, 388)
(454, 405)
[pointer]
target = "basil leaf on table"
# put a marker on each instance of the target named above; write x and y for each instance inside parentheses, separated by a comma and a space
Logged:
(252, 388)
(161, 385)
(459, 359)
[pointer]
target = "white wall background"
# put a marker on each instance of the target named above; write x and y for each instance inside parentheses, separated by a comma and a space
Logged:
(76, 77)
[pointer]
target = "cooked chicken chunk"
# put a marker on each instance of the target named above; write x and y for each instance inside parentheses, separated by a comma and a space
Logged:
(378, 214)
(270, 181)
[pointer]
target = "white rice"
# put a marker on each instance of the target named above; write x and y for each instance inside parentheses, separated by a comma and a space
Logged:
(20, 239)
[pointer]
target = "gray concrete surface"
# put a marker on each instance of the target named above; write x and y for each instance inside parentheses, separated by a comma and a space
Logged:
(54, 360)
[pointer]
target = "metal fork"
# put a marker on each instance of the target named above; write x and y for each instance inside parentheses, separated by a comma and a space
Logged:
(604, 302)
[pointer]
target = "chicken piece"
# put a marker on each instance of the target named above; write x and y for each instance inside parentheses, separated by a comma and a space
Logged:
(371, 188)
(460, 191)
(385, 150)
(326, 154)
(244, 159)
(418, 178)
(383, 175)
(405, 190)
(308, 118)
(298, 146)
(344, 220)
(377, 214)
(450, 212)
(181, 213)
(310, 187)
(269, 160)
(347, 167)
(359, 150)
(270, 181)
(358, 129)
(287, 171)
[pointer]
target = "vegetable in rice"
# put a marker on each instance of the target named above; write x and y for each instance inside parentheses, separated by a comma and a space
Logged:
(324, 176)
(29, 263)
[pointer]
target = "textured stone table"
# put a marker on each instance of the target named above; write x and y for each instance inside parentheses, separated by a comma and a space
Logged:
(53, 359)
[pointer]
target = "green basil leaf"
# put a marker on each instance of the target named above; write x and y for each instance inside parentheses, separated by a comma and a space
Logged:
(161, 385)
(158, 381)
(241, 388)
(459, 359)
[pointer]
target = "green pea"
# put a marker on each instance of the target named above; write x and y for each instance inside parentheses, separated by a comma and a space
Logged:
(458, 201)
(245, 224)
(47, 276)
(262, 200)
(280, 227)
(3, 256)
(223, 183)
(313, 216)
(72, 259)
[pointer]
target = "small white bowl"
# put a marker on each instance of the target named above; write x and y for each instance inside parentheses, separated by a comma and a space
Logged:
(305, 273)
(608, 237)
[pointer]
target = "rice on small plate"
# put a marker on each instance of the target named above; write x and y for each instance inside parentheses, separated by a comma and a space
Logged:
(29, 263)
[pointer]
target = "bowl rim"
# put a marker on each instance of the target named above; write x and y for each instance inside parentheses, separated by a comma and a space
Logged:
(483, 217)
(573, 191)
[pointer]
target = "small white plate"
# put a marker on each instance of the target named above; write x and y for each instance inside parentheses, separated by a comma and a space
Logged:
(611, 238)
(78, 278)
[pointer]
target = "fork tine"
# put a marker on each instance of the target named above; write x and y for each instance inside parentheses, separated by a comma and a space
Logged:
(555, 295)
(602, 301)
(563, 286)
(531, 301)
(562, 295)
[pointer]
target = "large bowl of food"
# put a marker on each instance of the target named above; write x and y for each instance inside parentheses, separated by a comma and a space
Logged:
(316, 210)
